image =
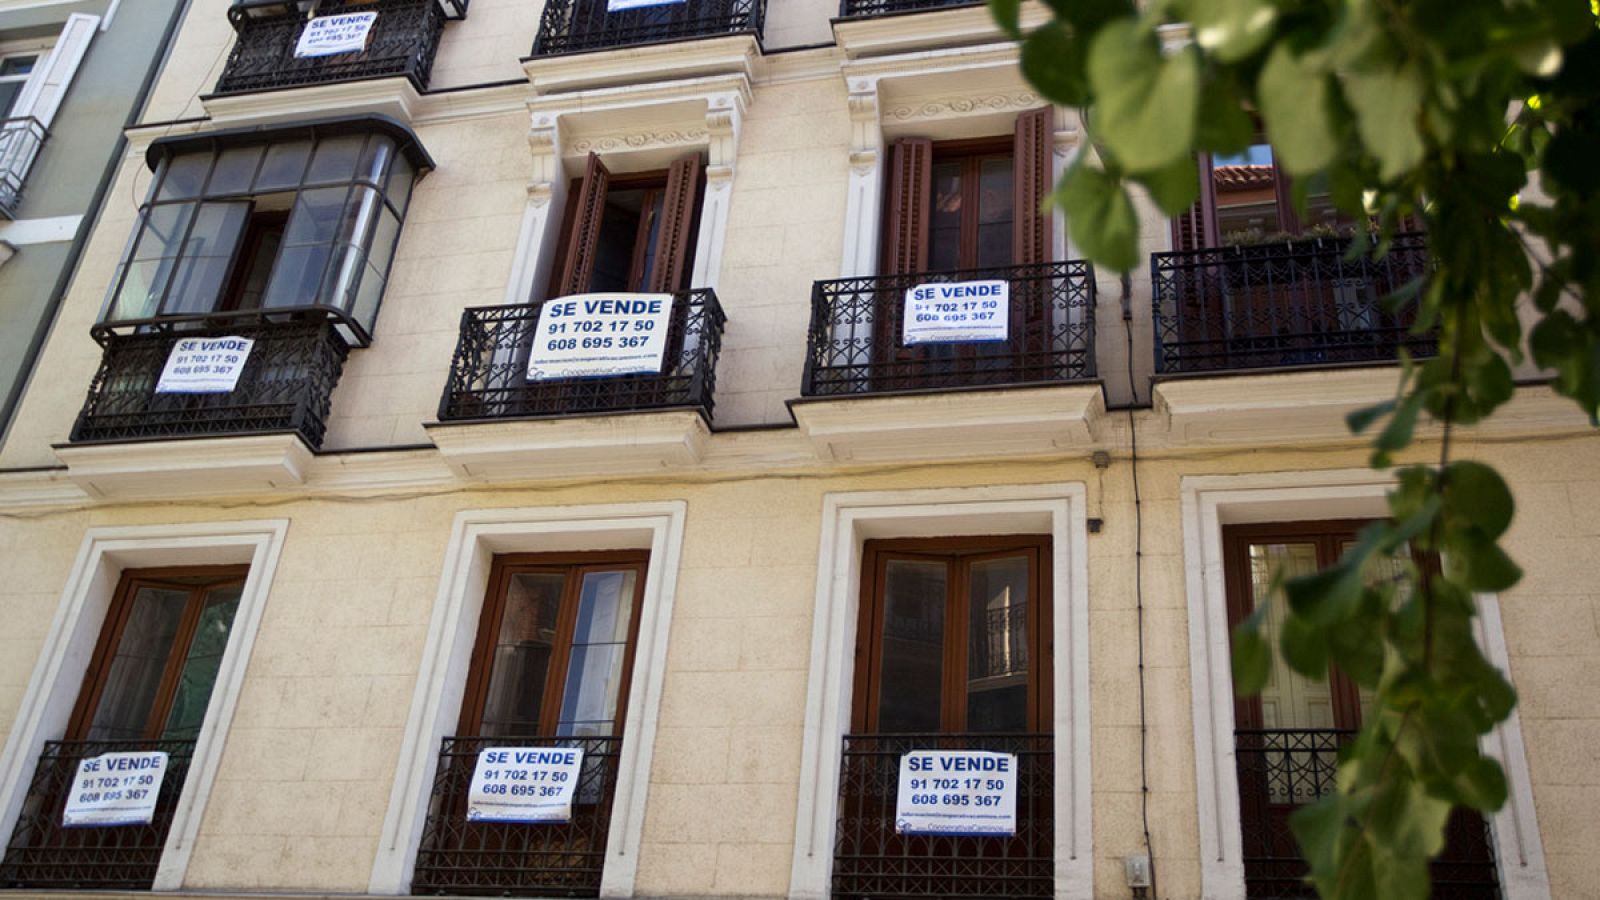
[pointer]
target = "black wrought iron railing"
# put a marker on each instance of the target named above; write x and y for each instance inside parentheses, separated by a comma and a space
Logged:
(543, 859)
(44, 853)
(286, 384)
(1285, 768)
(871, 860)
(571, 26)
(856, 344)
(861, 9)
(489, 373)
(1297, 303)
(20, 140)
(403, 41)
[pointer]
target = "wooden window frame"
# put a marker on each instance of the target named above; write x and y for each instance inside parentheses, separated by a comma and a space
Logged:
(574, 566)
(959, 553)
(971, 154)
(681, 186)
(99, 670)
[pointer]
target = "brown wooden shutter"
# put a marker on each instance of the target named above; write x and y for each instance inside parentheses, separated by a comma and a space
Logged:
(1032, 182)
(582, 233)
(1197, 228)
(905, 237)
(675, 240)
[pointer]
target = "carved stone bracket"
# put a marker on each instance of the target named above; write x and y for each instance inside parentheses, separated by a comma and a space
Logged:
(866, 127)
(544, 143)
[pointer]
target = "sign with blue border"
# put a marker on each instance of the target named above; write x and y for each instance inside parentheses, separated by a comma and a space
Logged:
(597, 335)
(960, 792)
(524, 784)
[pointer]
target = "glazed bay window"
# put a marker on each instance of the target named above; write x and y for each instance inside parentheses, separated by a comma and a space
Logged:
(284, 239)
(1255, 281)
(952, 654)
(959, 215)
(628, 234)
(550, 670)
(145, 692)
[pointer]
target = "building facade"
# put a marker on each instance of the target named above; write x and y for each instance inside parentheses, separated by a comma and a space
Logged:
(72, 75)
(340, 469)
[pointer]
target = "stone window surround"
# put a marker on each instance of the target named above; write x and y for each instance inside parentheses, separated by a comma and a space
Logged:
(58, 674)
(476, 536)
(1208, 503)
(633, 128)
(848, 521)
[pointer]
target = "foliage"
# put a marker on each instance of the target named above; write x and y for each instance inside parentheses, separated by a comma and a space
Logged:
(1480, 119)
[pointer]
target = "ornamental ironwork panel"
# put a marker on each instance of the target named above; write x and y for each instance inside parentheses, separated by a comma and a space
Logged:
(871, 860)
(546, 859)
(403, 42)
(43, 853)
(860, 9)
(571, 26)
(489, 373)
(1297, 303)
(20, 140)
(1281, 770)
(286, 384)
(856, 346)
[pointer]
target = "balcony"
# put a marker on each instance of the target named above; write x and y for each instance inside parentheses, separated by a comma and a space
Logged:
(1282, 769)
(43, 853)
(511, 858)
(20, 140)
(1299, 303)
(860, 9)
(871, 860)
(285, 386)
(402, 43)
(574, 26)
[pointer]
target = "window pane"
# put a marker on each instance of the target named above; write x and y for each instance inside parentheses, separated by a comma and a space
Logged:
(944, 225)
(997, 645)
(198, 279)
(235, 169)
(316, 216)
(401, 179)
(131, 684)
(297, 278)
(155, 248)
(599, 647)
(909, 689)
(164, 229)
(8, 95)
(619, 232)
(1290, 700)
(335, 159)
(995, 196)
(522, 653)
(200, 666)
(1247, 195)
(186, 175)
(375, 158)
(17, 65)
(284, 166)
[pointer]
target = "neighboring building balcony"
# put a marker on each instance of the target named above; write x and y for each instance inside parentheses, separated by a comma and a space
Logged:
(458, 857)
(1299, 303)
(44, 853)
(20, 140)
(871, 860)
(403, 41)
(572, 26)
(495, 420)
(858, 9)
(285, 385)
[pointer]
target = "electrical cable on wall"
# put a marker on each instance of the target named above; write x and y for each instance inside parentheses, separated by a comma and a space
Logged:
(1138, 586)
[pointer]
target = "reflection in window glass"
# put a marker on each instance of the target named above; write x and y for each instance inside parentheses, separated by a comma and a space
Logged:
(136, 670)
(913, 646)
(599, 648)
(997, 645)
(1246, 186)
(521, 664)
(199, 673)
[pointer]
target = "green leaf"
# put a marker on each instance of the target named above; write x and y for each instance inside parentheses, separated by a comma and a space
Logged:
(1174, 188)
(1481, 564)
(1008, 15)
(1304, 648)
(1232, 29)
(1296, 102)
(1479, 495)
(1406, 821)
(1490, 381)
(1361, 419)
(1053, 61)
(1481, 785)
(1146, 105)
(1325, 597)
(1223, 127)
(1252, 658)
(1100, 216)
(1402, 877)
(1388, 108)
(1319, 828)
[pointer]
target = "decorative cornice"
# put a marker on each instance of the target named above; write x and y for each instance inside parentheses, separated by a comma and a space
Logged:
(637, 140)
(947, 107)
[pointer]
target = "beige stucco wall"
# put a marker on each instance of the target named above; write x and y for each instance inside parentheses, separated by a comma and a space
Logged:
(311, 754)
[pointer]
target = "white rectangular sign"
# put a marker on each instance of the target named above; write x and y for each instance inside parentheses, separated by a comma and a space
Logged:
(942, 313)
(204, 365)
(328, 35)
(116, 789)
(969, 792)
(621, 5)
(587, 335)
(524, 784)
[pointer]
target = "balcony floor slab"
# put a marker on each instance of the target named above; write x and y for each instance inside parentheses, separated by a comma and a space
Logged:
(205, 466)
(529, 449)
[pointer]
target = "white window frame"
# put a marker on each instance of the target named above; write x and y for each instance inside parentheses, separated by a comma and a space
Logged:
(476, 537)
(1211, 501)
(58, 675)
(851, 519)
